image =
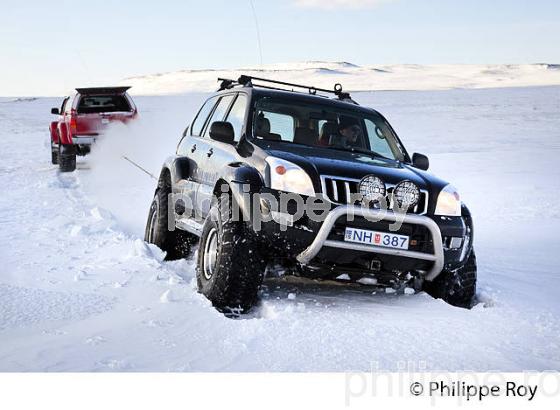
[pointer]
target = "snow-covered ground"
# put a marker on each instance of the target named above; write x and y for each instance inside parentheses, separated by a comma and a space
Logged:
(358, 78)
(81, 291)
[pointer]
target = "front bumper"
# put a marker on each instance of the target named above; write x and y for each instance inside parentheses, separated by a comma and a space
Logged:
(437, 243)
(321, 239)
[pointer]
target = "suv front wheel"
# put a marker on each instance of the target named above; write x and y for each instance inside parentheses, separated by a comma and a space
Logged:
(457, 287)
(230, 268)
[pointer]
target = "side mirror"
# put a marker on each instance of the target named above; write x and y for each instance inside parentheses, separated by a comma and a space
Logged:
(55, 111)
(222, 131)
(420, 161)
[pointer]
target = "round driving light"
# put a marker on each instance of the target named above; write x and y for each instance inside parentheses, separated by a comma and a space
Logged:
(372, 188)
(406, 194)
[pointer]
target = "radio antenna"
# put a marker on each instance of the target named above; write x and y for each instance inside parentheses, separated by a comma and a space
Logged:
(257, 30)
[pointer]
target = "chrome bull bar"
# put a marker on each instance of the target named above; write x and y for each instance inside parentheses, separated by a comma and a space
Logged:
(379, 215)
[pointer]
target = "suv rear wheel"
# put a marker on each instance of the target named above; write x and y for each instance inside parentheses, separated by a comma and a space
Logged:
(457, 287)
(230, 267)
(54, 154)
(177, 243)
(67, 158)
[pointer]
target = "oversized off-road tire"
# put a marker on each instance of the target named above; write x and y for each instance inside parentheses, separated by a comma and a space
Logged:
(54, 154)
(456, 287)
(67, 158)
(230, 267)
(176, 243)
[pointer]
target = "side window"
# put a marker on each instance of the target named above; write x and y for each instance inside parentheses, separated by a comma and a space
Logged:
(282, 126)
(219, 112)
(200, 119)
(236, 115)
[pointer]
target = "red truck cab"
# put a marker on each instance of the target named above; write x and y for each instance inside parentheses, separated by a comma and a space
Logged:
(84, 116)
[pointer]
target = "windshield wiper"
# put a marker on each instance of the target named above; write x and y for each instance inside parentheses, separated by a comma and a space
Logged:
(337, 147)
(359, 150)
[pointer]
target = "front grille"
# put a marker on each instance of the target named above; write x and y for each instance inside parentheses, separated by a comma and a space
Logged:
(340, 190)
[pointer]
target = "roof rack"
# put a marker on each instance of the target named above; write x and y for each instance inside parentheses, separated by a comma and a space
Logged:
(247, 81)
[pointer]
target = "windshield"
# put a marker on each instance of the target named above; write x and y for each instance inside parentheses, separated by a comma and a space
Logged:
(324, 126)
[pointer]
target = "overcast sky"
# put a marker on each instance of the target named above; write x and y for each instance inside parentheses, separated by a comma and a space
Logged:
(49, 47)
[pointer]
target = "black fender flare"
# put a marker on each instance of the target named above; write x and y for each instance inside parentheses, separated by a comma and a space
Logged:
(243, 173)
(243, 181)
(174, 169)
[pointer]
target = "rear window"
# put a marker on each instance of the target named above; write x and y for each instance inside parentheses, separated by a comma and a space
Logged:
(102, 103)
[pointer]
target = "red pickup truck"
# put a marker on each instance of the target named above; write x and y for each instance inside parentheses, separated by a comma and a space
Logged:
(82, 117)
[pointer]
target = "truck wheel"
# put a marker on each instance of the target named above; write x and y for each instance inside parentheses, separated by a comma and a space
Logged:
(230, 268)
(457, 287)
(177, 243)
(54, 154)
(67, 158)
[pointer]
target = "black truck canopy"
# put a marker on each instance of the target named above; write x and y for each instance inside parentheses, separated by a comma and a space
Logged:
(102, 90)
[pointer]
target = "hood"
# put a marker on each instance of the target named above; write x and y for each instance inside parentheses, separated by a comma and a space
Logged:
(318, 161)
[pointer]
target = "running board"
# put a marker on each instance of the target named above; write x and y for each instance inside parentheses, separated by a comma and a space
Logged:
(187, 224)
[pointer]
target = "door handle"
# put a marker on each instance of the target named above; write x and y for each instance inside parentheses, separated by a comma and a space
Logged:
(210, 152)
(193, 148)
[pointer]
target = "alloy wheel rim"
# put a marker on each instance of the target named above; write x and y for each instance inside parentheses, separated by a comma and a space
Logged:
(210, 253)
(152, 226)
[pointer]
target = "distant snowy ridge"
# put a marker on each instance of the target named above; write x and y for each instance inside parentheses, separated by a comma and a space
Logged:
(357, 78)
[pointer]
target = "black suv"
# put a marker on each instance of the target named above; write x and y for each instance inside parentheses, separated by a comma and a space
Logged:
(268, 176)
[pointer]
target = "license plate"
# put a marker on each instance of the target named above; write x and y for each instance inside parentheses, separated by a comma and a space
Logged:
(384, 239)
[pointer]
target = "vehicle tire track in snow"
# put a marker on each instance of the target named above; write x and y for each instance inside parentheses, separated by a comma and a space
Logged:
(108, 302)
(24, 306)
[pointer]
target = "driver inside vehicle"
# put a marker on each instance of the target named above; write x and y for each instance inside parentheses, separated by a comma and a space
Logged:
(351, 133)
(345, 133)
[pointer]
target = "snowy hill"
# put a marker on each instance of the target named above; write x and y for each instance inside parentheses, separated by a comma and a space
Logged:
(358, 78)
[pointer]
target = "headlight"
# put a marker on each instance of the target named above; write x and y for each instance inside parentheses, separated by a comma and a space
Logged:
(372, 188)
(406, 194)
(287, 176)
(448, 202)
